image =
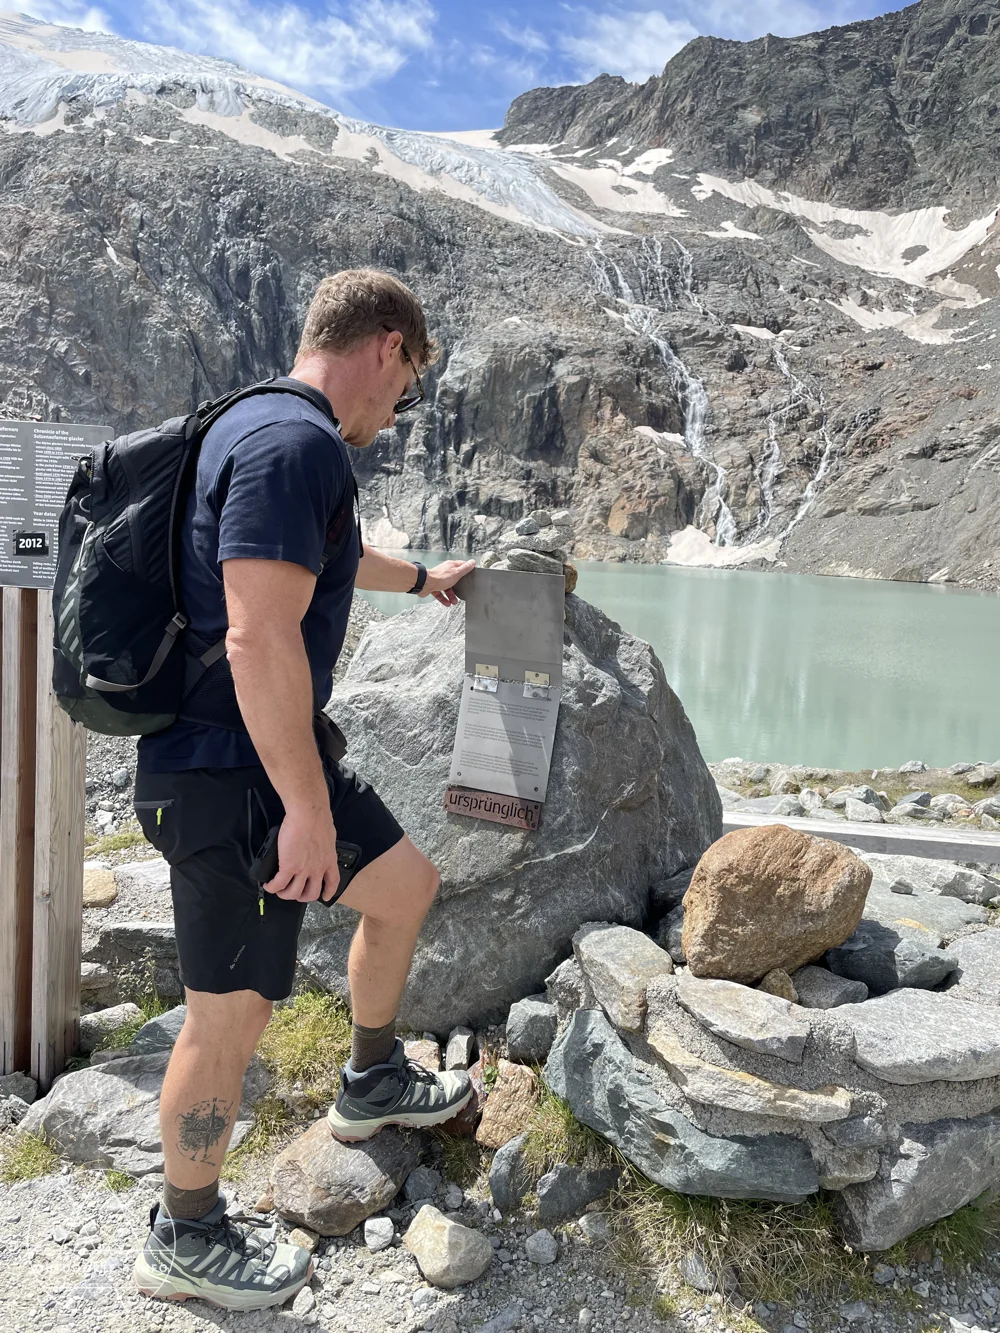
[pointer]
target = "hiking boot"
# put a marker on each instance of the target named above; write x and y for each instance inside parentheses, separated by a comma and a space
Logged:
(400, 1092)
(219, 1260)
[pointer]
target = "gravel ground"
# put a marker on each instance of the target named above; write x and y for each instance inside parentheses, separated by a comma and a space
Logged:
(67, 1244)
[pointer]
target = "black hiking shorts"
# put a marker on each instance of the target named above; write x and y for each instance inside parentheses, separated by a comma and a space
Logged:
(209, 824)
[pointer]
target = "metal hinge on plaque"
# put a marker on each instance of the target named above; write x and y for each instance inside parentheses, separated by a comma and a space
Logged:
(536, 684)
(486, 679)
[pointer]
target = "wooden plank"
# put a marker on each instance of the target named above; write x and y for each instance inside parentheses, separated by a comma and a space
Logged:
(17, 809)
(60, 783)
(952, 844)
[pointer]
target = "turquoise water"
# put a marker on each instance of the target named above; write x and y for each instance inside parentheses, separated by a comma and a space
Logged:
(849, 673)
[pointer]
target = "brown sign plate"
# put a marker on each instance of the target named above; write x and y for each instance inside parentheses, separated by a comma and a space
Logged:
(497, 809)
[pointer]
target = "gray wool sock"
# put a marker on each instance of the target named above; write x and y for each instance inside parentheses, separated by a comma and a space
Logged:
(371, 1046)
(190, 1205)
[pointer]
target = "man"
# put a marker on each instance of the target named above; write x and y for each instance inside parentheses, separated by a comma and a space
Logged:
(270, 559)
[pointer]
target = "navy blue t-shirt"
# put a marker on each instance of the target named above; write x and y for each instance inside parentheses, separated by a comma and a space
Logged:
(272, 473)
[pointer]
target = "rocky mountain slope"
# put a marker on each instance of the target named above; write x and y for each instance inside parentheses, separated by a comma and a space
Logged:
(742, 313)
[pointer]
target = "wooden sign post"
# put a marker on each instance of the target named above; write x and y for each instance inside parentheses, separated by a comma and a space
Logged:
(43, 776)
(43, 771)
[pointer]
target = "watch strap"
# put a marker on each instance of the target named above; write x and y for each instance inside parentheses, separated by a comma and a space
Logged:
(418, 587)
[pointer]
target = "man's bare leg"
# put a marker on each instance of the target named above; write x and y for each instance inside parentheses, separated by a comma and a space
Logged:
(202, 1091)
(189, 1252)
(393, 895)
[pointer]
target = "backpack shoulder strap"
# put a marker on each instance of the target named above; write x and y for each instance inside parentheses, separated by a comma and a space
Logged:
(211, 410)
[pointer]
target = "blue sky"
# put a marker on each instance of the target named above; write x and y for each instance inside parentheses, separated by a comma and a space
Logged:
(445, 64)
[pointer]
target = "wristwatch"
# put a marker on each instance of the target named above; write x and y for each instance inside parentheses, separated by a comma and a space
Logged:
(421, 577)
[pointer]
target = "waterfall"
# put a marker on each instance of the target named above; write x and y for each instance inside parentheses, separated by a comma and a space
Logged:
(641, 312)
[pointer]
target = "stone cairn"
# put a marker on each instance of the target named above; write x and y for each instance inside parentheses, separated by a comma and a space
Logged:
(537, 544)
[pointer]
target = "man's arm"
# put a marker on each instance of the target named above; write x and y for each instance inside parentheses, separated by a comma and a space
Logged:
(379, 572)
(266, 601)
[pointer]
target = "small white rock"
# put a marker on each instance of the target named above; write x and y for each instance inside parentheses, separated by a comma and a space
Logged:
(304, 1302)
(379, 1232)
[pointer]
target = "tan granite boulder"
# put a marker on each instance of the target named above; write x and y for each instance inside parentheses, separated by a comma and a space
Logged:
(770, 897)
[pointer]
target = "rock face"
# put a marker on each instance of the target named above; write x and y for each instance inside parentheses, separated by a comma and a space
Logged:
(738, 1091)
(938, 1167)
(531, 1029)
(770, 897)
(331, 1187)
(748, 1018)
(108, 1115)
(565, 1191)
(918, 874)
(557, 405)
(509, 1105)
(912, 1037)
(819, 989)
(130, 950)
(977, 976)
(592, 1069)
(619, 963)
(510, 1179)
(608, 830)
(885, 959)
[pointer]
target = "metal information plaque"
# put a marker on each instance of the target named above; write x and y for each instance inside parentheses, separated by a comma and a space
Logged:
(510, 695)
(37, 462)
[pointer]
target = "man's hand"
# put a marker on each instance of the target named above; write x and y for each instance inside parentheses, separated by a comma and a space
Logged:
(442, 578)
(307, 857)
(380, 572)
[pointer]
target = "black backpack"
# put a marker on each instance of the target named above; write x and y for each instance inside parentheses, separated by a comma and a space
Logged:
(123, 663)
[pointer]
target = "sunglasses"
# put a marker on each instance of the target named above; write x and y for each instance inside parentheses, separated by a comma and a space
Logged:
(417, 396)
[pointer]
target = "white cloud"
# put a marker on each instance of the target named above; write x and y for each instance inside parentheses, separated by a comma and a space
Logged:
(527, 38)
(345, 47)
(68, 13)
(747, 19)
(635, 44)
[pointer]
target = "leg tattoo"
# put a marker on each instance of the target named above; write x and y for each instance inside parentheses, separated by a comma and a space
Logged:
(201, 1129)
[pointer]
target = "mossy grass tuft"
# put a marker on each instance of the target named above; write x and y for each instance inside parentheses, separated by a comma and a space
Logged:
(115, 842)
(306, 1043)
(118, 1181)
(25, 1157)
(775, 1250)
(461, 1159)
(137, 984)
(555, 1135)
(963, 1238)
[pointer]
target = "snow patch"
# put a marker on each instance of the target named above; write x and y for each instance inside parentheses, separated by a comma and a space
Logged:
(660, 436)
(881, 239)
(730, 231)
(753, 331)
(694, 548)
(609, 188)
(649, 161)
(920, 328)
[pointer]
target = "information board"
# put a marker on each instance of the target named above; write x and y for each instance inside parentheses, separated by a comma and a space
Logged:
(37, 462)
(510, 695)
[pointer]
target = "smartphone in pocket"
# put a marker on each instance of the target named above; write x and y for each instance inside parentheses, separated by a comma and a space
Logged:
(264, 866)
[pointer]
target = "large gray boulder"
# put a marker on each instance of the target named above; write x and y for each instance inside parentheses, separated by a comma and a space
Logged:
(591, 1068)
(937, 1168)
(630, 802)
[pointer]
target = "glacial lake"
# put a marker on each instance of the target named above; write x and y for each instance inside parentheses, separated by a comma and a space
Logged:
(837, 672)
